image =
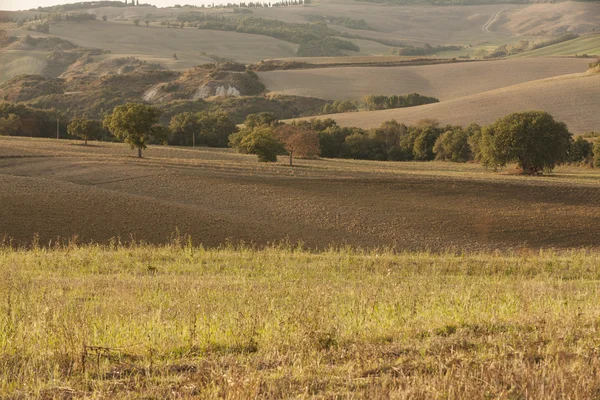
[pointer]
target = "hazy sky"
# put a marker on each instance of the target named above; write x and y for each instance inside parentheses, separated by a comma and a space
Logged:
(27, 4)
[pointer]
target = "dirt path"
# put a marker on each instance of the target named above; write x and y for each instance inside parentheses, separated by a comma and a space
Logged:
(486, 27)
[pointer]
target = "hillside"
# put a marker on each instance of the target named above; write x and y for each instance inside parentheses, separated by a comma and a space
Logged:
(61, 188)
(573, 99)
(446, 81)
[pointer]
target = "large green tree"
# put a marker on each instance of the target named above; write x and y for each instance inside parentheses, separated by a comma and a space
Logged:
(532, 139)
(135, 124)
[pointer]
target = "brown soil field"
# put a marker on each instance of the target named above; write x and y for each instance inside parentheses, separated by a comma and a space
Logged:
(62, 188)
(572, 99)
(444, 81)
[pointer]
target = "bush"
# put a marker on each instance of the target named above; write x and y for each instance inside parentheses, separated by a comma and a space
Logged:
(533, 139)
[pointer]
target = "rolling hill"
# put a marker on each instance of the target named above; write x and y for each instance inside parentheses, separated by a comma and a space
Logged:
(157, 43)
(573, 99)
(445, 81)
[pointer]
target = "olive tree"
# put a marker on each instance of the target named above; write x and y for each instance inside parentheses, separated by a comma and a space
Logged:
(532, 139)
(135, 124)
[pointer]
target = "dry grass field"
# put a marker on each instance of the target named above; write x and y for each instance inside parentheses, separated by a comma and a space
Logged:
(233, 323)
(61, 189)
(444, 81)
(572, 99)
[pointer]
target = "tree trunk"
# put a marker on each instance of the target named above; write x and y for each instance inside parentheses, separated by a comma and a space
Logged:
(194, 140)
(85, 141)
(291, 165)
(139, 152)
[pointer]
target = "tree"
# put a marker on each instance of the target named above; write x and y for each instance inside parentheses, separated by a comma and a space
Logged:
(10, 125)
(136, 22)
(596, 160)
(298, 141)
(475, 136)
(204, 128)
(263, 143)
(104, 18)
(390, 134)
(135, 124)
(147, 22)
(581, 151)
(184, 128)
(85, 129)
(423, 137)
(252, 122)
(532, 139)
(453, 145)
(215, 128)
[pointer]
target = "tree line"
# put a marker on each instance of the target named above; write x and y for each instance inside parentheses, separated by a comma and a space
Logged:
(533, 140)
(379, 102)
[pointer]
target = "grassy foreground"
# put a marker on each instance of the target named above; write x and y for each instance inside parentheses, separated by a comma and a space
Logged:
(181, 321)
